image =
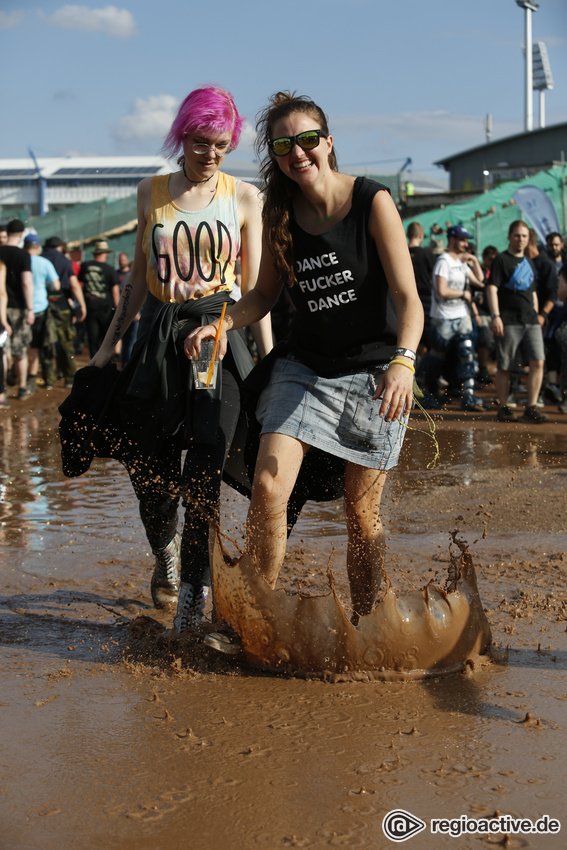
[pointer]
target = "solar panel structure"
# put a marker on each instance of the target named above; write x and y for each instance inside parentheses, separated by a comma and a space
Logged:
(106, 172)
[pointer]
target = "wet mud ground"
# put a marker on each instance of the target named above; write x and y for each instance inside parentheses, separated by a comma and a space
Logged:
(113, 736)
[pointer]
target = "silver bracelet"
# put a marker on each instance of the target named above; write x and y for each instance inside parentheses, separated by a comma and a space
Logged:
(405, 352)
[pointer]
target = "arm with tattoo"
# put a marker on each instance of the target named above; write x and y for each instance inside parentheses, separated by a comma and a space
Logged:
(120, 325)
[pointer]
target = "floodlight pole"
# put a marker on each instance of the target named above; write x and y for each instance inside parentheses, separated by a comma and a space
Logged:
(529, 120)
(529, 6)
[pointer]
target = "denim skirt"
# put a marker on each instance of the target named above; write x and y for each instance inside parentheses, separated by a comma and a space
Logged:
(337, 415)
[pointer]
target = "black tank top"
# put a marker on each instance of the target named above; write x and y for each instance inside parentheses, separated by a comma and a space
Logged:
(345, 315)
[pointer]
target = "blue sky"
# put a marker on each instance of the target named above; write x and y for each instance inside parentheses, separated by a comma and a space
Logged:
(403, 78)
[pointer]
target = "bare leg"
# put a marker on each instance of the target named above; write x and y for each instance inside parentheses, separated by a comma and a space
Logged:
(502, 382)
(535, 378)
(278, 464)
(21, 371)
(33, 361)
(365, 552)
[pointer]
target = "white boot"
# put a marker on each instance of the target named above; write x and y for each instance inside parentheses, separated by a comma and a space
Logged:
(164, 585)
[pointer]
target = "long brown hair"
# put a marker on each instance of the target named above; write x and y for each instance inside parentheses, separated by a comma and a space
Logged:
(278, 188)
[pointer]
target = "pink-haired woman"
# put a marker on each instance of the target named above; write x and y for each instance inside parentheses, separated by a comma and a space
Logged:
(192, 226)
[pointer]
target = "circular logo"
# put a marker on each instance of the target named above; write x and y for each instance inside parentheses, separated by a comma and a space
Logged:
(399, 825)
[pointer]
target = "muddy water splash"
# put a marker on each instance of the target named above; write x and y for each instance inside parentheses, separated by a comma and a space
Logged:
(427, 632)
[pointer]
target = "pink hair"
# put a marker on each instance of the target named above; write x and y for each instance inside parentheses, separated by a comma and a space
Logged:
(208, 111)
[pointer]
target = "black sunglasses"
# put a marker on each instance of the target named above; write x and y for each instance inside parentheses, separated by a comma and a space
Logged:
(307, 140)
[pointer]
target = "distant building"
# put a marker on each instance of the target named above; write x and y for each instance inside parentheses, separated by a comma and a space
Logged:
(65, 181)
(424, 191)
(512, 158)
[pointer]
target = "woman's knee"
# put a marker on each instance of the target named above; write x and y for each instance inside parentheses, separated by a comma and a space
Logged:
(271, 488)
(279, 461)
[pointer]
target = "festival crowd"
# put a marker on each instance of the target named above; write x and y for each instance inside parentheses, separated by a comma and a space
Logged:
(509, 308)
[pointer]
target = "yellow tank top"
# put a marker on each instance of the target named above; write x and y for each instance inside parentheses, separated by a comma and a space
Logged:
(191, 254)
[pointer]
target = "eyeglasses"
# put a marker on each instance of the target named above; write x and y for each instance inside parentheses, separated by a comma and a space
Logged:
(307, 140)
(220, 148)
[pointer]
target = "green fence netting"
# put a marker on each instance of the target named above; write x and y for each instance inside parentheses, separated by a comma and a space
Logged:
(85, 221)
(9, 214)
(488, 216)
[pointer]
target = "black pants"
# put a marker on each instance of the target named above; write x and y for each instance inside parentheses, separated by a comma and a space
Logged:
(161, 482)
(97, 321)
(2, 375)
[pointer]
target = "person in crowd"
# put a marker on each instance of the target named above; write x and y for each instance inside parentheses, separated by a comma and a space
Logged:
(61, 305)
(555, 247)
(123, 267)
(192, 225)
(45, 281)
(455, 272)
(5, 331)
(19, 287)
(559, 331)
(437, 246)
(485, 338)
(423, 261)
(126, 344)
(344, 382)
(101, 292)
(514, 309)
(546, 289)
(80, 331)
(3, 234)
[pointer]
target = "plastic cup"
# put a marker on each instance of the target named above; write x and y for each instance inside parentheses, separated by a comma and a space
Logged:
(202, 365)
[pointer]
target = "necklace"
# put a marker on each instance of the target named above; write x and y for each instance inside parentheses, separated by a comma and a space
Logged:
(196, 182)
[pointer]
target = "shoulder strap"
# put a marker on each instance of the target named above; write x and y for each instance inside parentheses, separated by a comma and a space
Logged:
(160, 191)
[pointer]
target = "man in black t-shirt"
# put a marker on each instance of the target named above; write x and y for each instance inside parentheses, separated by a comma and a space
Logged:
(512, 298)
(102, 291)
(555, 248)
(19, 288)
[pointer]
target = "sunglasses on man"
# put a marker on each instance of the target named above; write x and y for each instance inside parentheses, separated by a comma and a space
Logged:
(307, 140)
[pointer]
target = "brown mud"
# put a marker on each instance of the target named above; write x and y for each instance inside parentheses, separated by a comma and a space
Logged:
(116, 735)
(429, 632)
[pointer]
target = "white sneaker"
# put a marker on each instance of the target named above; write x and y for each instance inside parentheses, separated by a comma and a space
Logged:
(225, 642)
(164, 585)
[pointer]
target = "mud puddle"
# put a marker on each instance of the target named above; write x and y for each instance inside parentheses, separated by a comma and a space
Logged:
(106, 745)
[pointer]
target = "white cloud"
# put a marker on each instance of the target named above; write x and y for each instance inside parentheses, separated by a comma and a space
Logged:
(247, 137)
(150, 118)
(117, 23)
(9, 20)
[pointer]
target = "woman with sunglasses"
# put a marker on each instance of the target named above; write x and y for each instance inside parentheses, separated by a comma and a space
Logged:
(192, 226)
(345, 383)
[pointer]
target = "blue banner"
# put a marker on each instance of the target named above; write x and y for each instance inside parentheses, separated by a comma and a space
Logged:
(538, 209)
